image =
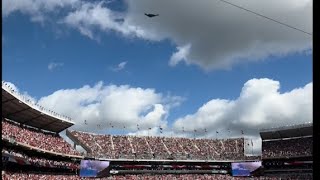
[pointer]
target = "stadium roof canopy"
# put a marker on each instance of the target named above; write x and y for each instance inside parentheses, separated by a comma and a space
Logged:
(287, 132)
(17, 108)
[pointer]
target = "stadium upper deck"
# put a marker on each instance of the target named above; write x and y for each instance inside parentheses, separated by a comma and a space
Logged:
(158, 148)
(287, 132)
(287, 142)
(22, 110)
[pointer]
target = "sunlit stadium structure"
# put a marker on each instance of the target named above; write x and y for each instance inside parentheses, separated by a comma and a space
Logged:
(33, 149)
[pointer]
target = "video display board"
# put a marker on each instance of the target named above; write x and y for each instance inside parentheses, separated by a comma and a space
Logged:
(244, 168)
(91, 168)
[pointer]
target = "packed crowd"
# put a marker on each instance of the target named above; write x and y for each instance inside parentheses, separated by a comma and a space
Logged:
(24, 176)
(36, 138)
(159, 150)
(287, 148)
(41, 162)
(122, 147)
(141, 148)
(130, 147)
(21, 176)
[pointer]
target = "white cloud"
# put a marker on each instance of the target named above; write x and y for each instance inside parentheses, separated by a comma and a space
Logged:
(91, 17)
(260, 105)
(221, 35)
(210, 34)
(104, 104)
(54, 65)
(120, 66)
(180, 55)
(35, 8)
(146, 132)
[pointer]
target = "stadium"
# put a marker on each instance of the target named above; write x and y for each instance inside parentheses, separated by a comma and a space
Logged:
(33, 149)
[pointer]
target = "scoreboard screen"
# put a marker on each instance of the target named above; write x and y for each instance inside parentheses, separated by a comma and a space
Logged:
(244, 168)
(91, 168)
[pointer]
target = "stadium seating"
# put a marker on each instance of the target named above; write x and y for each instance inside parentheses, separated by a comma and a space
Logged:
(140, 147)
(133, 147)
(287, 148)
(158, 148)
(40, 161)
(122, 147)
(36, 138)
(13, 176)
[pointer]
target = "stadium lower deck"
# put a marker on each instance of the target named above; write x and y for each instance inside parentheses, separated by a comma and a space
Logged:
(30, 153)
(10, 176)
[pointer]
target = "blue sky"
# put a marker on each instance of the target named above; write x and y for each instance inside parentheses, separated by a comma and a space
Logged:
(43, 56)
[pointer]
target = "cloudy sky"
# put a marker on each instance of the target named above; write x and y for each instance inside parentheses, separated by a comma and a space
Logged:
(206, 66)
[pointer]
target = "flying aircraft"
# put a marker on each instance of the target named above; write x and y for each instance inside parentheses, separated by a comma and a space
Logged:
(151, 15)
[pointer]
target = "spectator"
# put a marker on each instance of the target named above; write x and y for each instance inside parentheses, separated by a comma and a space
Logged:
(287, 148)
(130, 147)
(39, 139)
(14, 176)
